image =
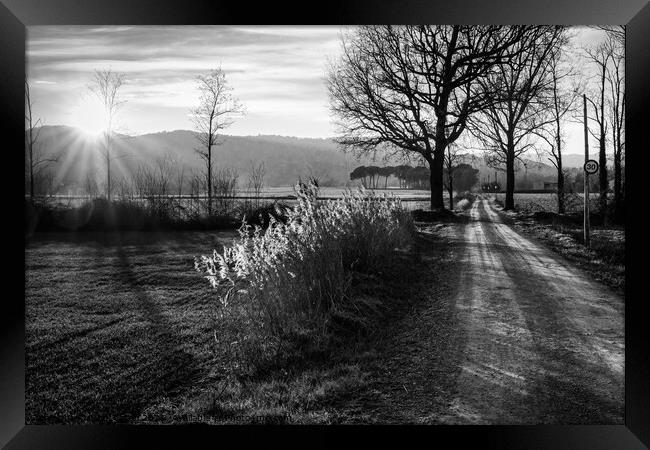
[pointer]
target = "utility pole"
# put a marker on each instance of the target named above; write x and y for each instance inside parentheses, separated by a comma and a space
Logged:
(586, 175)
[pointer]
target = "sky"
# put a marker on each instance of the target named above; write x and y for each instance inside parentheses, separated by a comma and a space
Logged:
(277, 72)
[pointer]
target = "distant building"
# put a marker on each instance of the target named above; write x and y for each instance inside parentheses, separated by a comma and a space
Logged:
(550, 185)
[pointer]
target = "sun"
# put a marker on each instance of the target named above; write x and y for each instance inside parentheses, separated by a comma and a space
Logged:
(89, 116)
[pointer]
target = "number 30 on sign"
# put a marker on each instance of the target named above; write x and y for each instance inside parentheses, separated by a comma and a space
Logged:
(591, 167)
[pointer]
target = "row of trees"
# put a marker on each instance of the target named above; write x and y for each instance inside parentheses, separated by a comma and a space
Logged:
(408, 177)
(460, 177)
(419, 89)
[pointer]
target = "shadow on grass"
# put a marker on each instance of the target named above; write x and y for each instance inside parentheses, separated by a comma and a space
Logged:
(125, 350)
(168, 368)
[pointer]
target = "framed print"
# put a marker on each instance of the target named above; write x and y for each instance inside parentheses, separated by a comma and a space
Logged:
(241, 220)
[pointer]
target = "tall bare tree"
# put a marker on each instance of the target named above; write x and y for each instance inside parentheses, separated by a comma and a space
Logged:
(180, 177)
(35, 159)
(614, 32)
(520, 90)
(106, 85)
(412, 89)
(452, 158)
(215, 112)
(256, 175)
(565, 91)
(600, 56)
(616, 84)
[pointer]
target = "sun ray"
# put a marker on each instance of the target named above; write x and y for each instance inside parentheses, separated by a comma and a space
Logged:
(89, 116)
(79, 162)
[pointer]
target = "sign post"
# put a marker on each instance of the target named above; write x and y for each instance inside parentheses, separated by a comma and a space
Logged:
(586, 188)
(590, 167)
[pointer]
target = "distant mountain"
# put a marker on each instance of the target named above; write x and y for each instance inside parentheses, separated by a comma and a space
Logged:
(527, 171)
(286, 158)
(573, 160)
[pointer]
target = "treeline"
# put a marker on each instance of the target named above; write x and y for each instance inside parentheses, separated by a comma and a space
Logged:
(408, 177)
(463, 176)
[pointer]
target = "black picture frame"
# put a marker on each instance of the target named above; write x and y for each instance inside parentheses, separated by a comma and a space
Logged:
(15, 15)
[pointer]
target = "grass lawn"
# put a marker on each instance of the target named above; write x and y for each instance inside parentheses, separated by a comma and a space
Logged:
(120, 328)
(113, 322)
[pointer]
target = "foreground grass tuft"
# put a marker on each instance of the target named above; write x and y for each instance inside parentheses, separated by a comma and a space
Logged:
(290, 280)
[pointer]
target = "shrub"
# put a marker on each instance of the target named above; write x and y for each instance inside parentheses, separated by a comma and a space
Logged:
(290, 278)
(258, 213)
(464, 200)
(463, 204)
(151, 213)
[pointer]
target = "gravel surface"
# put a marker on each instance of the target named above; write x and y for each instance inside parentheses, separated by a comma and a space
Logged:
(508, 333)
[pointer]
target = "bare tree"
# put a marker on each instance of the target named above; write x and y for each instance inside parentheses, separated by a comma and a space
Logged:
(600, 57)
(124, 188)
(106, 85)
(47, 182)
(564, 94)
(520, 89)
(256, 180)
(215, 112)
(225, 187)
(35, 159)
(452, 158)
(90, 185)
(412, 89)
(616, 82)
(180, 175)
(615, 32)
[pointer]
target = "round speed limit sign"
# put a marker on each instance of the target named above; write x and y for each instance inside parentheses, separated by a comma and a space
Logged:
(591, 167)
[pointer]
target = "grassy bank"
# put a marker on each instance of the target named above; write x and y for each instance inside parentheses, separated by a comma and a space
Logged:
(604, 259)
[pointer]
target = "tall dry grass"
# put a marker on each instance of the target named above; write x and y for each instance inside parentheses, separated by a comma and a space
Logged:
(290, 278)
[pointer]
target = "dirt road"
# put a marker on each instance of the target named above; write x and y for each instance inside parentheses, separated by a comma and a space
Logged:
(517, 336)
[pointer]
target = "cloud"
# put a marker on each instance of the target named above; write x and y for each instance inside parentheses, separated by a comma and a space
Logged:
(275, 70)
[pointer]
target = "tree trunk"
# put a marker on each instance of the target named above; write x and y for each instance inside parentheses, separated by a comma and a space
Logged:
(560, 189)
(209, 178)
(510, 178)
(437, 188)
(108, 176)
(602, 160)
(618, 188)
(602, 175)
(560, 174)
(451, 192)
(31, 175)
